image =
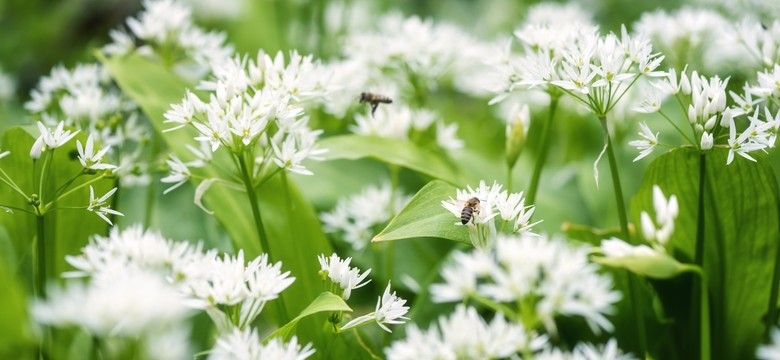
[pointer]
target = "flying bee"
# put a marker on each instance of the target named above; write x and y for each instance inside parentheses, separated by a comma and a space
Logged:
(374, 100)
(469, 209)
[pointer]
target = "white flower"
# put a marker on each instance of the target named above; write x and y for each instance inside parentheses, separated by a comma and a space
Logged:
(354, 218)
(648, 144)
(770, 351)
(465, 335)
(51, 139)
(339, 272)
(100, 206)
(707, 141)
(4, 154)
(741, 144)
(666, 211)
(89, 158)
(608, 351)
(180, 173)
(461, 275)
(127, 303)
(247, 345)
(446, 136)
(390, 309)
(133, 247)
(484, 210)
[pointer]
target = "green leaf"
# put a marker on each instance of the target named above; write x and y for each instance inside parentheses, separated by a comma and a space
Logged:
(741, 234)
(294, 232)
(424, 216)
(17, 339)
(589, 235)
(326, 302)
(392, 151)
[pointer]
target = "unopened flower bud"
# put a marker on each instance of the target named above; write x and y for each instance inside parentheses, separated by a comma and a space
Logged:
(516, 130)
(710, 122)
(706, 141)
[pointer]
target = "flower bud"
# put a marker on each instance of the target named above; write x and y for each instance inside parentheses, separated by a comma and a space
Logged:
(710, 122)
(641, 260)
(516, 130)
(706, 141)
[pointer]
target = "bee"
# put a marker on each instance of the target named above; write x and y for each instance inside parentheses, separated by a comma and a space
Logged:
(469, 209)
(374, 100)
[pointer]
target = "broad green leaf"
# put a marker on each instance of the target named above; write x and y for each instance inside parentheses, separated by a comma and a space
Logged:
(589, 235)
(424, 216)
(326, 302)
(392, 151)
(741, 232)
(17, 339)
(61, 236)
(295, 234)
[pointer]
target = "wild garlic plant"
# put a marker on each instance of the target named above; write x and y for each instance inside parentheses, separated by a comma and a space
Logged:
(743, 125)
(254, 115)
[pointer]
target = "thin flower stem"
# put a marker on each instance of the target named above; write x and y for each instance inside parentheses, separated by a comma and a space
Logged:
(10, 182)
(40, 258)
(544, 148)
(46, 162)
(621, 206)
(17, 209)
(90, 182)
(677, 127)
(364, 345)
(509, 168)
(152, 186)
(771, 314)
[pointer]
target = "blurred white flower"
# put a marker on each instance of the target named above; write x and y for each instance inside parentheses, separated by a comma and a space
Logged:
(114, 306)
(608, 351)
(461, 276)
(341, 274)
(390, 310)
(247, 345)
(770, 351)
(742, 144)
(355, 218)
(465, 335)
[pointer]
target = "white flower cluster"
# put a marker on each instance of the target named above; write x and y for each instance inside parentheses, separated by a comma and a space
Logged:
(465, 335)
(404, 123)
(254, 108)
(595, 70)
(653, 260)
(494, 203)
(356, 218)
(762, 42)
(205, 280)
(709, 113)
(549, 276)
(390, 308)
(247, 345)
(700, 37)
(85, 98)
(167, 32)
(122, 306)
(770, 351)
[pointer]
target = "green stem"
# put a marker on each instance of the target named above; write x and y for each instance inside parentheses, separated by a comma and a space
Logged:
(699, 282)
(544, 148)
(250, 190)
(152, 187)
(40, 258)
(621, 207)
(509, 177)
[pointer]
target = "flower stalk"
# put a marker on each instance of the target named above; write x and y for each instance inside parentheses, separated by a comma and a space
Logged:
(544, 148)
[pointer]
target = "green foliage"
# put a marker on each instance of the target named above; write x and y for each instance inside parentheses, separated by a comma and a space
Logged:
(425, 217)
(740, 241)
(391, 151)
(16, 342)
(326, 302)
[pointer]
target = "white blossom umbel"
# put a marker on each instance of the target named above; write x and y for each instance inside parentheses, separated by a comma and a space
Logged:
(255, 109)
(356, 218)
(167, 32)
(247, 345)
(743, 125)
(218, 285)
(341, 274)
(534, 277)
(494, 205)
(122, 307)
(466, 335)
(390, 309)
